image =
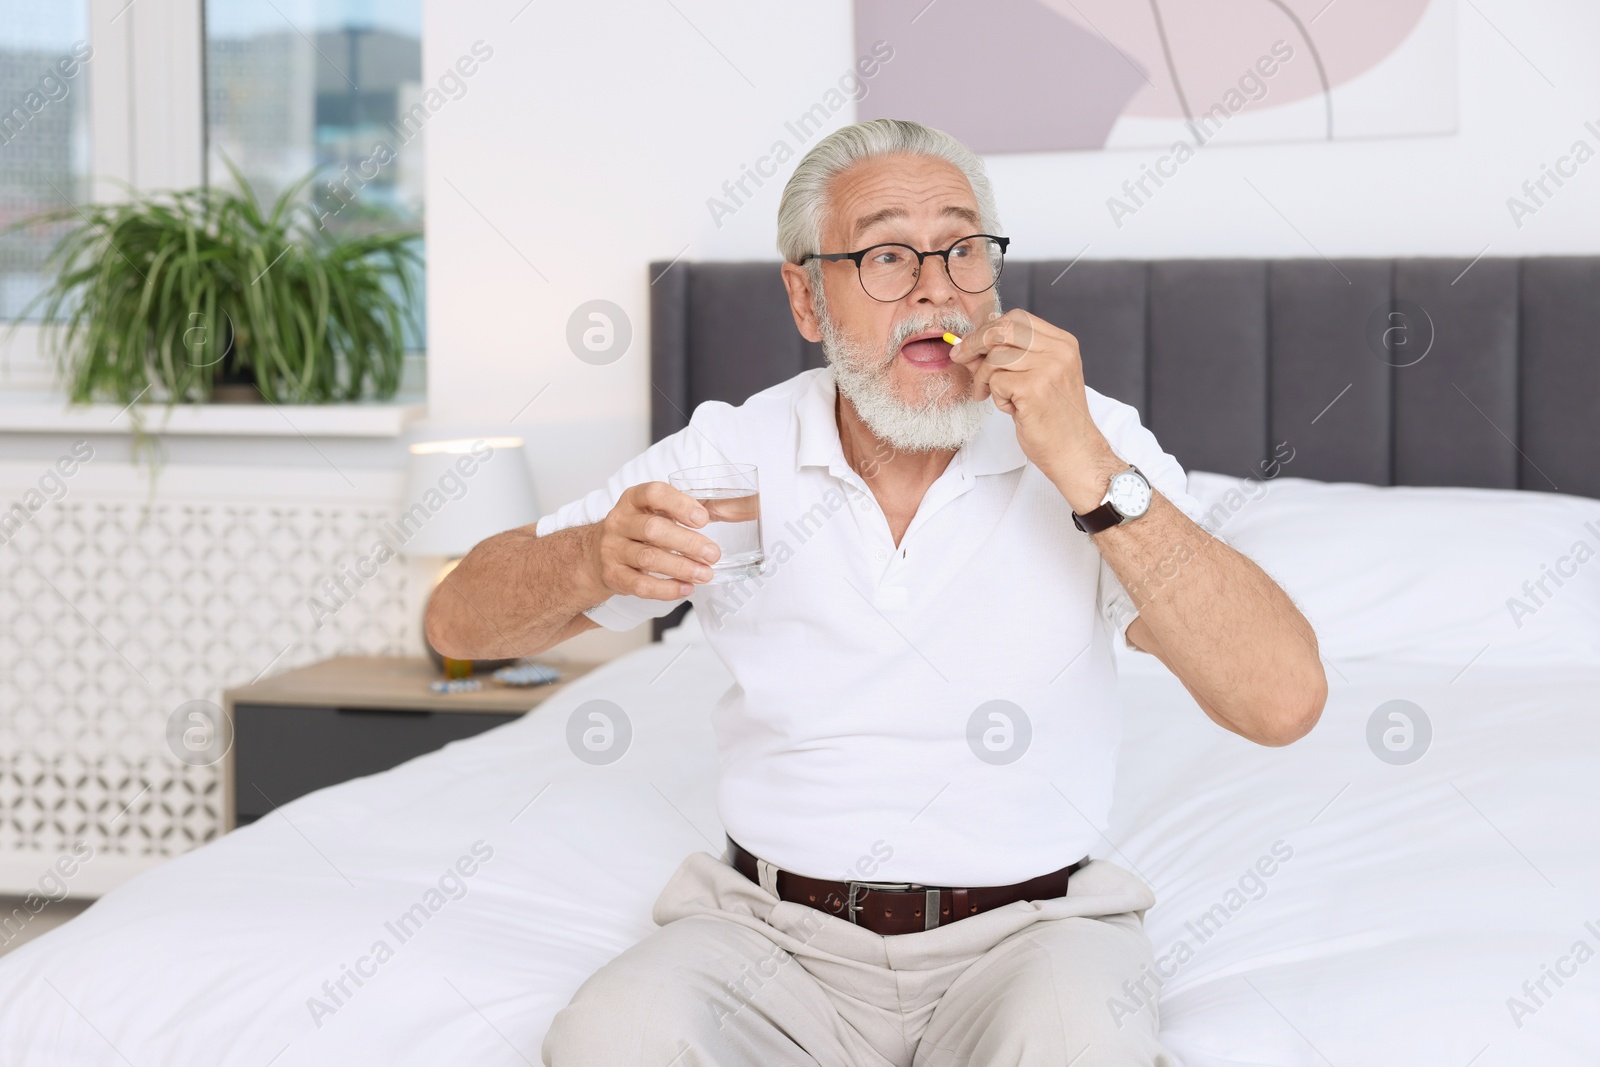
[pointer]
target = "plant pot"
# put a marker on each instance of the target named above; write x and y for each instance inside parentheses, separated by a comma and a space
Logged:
(235, 393)
(232, 382)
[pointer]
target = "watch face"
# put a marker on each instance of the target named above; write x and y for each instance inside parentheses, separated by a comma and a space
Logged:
(1130, 494)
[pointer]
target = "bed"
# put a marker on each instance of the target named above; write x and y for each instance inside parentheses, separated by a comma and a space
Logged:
(1416, 882)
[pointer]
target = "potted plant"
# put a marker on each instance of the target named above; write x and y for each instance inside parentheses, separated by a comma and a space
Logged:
(197, 295)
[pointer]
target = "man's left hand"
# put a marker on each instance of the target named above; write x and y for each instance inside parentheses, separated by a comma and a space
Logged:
(1034, 371)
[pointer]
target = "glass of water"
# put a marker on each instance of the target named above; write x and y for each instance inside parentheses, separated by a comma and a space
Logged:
(732, 497)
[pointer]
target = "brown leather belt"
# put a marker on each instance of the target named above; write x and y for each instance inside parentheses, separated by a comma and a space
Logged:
(899, 907)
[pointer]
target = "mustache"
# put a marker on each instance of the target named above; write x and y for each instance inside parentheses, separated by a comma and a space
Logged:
(952, 321)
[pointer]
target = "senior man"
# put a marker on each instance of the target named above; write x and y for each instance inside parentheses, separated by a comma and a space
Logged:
(917, 753)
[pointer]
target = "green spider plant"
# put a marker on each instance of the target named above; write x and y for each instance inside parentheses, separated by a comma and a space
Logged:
(166, 295)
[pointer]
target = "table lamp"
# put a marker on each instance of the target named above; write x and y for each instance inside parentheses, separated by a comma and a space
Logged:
(459, 492)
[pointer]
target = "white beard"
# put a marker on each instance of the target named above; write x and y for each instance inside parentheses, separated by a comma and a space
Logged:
(936, 421)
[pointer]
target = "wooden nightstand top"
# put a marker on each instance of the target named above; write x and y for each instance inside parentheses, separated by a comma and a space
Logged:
(393, 682)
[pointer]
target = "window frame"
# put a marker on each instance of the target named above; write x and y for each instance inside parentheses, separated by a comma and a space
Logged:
(146, 127)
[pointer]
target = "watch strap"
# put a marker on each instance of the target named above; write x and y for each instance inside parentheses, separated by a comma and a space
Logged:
(1101, 518)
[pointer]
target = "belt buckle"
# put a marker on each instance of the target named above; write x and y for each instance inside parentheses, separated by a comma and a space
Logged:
(850, 905)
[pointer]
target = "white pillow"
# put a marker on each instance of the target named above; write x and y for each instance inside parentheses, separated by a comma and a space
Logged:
(1435, 575)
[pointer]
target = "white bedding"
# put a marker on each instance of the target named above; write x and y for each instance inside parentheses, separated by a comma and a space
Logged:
(1417, 899)
(1445, 911)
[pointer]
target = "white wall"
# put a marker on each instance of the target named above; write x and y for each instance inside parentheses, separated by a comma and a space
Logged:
(594, 136)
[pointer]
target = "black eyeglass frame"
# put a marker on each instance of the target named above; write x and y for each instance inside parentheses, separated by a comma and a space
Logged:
(857, 257)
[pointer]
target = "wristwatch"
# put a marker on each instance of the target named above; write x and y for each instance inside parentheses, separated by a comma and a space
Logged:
(1126, 500)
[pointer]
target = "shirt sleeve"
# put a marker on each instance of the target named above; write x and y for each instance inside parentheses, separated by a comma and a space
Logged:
(700, 443)
(1134, 443)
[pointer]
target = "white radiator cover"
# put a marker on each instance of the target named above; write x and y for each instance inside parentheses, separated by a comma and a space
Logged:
(120, 601)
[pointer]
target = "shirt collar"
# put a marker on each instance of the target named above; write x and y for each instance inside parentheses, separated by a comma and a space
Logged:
(994, 450)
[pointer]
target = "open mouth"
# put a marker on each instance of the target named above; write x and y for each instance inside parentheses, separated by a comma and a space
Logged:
(927, 350)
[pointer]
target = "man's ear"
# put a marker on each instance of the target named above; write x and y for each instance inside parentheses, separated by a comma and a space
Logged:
(797, 280)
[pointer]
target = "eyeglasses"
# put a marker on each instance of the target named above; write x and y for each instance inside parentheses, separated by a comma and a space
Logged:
(890, 271)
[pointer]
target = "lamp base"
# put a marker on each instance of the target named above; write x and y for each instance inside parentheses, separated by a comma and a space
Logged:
(453, 668)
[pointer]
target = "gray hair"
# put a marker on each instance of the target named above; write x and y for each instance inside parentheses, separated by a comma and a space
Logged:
(803, 208)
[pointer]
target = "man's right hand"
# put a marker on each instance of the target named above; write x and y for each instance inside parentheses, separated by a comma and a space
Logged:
(645, 535)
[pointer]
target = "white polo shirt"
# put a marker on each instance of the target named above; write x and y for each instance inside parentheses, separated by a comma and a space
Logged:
(942, 712)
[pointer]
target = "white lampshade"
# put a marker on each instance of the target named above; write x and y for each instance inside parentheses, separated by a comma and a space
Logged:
(460, 491)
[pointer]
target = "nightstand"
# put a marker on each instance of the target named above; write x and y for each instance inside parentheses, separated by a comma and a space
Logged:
(350, 716)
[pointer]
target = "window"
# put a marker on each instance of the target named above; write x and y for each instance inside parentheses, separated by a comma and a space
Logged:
(45, 62)
(297, 86)
(280, 89)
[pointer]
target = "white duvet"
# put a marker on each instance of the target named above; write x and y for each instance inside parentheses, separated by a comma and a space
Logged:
(1405, 908)
(1317, 904)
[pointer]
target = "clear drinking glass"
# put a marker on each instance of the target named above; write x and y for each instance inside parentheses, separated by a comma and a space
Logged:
(732, 497)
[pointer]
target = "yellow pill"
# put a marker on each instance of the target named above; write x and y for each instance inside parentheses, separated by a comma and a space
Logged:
(951, 339)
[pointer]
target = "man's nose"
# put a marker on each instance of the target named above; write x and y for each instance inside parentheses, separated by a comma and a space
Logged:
(933, 283)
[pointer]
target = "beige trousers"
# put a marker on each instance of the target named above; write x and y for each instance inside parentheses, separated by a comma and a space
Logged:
(735, 976)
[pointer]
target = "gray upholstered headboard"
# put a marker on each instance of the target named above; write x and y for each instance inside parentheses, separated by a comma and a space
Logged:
(1226, 358)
